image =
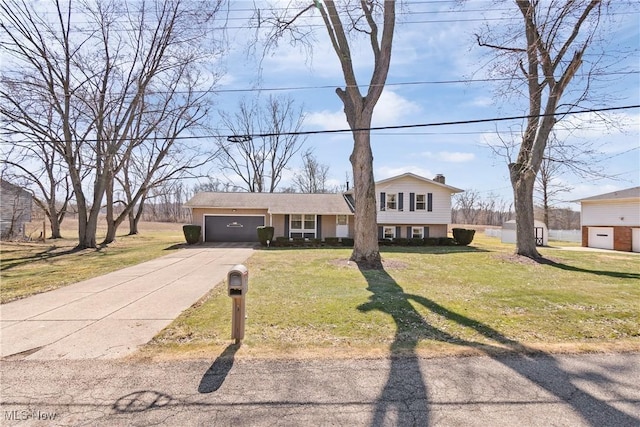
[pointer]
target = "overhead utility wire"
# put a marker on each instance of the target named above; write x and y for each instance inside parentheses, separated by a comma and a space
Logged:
(248, 137)
(242, 138)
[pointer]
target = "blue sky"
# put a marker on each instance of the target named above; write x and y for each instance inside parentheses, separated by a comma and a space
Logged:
(433, 45)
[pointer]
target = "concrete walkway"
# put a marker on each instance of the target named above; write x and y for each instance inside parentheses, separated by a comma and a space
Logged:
(110, 316)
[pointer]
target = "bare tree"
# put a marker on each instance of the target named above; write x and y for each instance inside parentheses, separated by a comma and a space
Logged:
(156, 153)
(93, 66)
(544, 53)
(466, 205)
(341, 22)
(548, 187)
(265, 139)
(312, 178)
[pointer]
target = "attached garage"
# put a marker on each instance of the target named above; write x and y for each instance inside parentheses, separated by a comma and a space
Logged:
(601, 237)
(232, 228)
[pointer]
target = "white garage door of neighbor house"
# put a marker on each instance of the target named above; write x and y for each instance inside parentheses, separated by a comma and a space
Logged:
(601, 237)
(635, 239)
(232, 228)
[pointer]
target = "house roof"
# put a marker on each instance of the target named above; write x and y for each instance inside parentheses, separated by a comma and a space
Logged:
(420, 178)
(275, 203)
(629, 193)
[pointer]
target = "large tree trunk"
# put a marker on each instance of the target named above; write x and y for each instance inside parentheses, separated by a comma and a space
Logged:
(55, 226)
(112, 226)
(365, 251)
(523, 181)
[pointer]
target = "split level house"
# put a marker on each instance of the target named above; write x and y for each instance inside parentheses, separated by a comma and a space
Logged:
(408, 206)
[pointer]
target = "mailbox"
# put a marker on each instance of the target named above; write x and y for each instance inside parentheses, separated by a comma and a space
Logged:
(238, 285)
(238, 281)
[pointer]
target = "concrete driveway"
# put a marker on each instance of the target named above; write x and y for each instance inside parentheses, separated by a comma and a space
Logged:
(110, 316)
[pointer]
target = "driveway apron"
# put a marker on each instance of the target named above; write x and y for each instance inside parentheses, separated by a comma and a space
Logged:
(110, 316)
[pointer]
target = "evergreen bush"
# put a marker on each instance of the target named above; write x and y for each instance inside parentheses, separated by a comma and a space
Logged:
(265, 233)
(331, 241)
(347, 241)
(191, 233)
(463, 236)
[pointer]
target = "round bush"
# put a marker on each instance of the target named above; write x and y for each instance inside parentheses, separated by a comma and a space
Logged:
(463, 236)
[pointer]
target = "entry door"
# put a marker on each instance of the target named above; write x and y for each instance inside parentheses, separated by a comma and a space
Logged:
(342, 226)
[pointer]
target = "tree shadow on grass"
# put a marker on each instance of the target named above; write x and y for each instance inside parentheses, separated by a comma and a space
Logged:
(432, 250)
(44, 255)
(562, 266)
(404, 399)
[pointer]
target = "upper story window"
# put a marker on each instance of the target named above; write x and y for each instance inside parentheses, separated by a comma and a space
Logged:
(421, 202)
(392, 201)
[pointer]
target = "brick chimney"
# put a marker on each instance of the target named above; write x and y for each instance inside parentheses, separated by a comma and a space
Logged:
(439, 178)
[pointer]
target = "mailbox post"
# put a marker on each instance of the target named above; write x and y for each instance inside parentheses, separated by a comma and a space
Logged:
(238, 286)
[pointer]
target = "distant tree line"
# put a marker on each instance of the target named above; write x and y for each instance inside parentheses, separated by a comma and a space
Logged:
(471, 207)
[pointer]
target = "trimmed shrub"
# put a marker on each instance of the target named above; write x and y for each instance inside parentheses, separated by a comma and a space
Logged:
(298, 241)
(401, 241)
(463, 236)
(431, 241)
(416, 241)
(446, 241)
(282, 242)
(191, 233)
(316, 243)
(331, 241)
(347, 241)
(384, 242)
(265, 233)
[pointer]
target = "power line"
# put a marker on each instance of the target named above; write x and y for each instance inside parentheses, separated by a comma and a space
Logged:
(412, 126)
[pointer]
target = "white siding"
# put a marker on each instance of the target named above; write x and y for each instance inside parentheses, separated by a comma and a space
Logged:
(441, 213)
(611, 213)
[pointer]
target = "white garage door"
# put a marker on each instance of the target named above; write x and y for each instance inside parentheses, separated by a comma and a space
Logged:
(601, 237)
(635, 239)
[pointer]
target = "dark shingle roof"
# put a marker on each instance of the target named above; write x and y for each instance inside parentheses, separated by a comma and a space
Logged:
(275, 203)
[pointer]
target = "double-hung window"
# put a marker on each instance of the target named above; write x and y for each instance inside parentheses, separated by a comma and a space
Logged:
(389, 232)
(417, 232)
(303, 226)
(421, 202)
(392, 201)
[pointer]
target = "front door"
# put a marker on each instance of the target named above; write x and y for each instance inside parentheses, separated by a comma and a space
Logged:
(342, 226)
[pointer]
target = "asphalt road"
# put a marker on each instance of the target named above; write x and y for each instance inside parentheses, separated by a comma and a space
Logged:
(569, 390)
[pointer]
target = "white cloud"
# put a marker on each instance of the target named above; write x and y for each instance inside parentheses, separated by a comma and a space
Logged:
(393, 109)
(451, 157)
(326, 120)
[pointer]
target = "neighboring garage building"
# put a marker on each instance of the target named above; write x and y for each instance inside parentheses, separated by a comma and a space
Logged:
(612, 220)
(233, 217)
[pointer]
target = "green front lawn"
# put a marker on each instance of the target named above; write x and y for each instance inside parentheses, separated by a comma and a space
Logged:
(428, 300)
(29, 268)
